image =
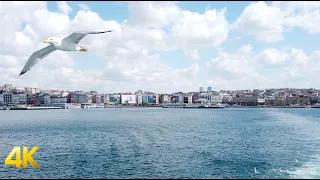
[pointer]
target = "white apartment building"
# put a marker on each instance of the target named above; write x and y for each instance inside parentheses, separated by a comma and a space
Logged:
(180, 98)
(216, 98)
(139, 98)
(211, 97)
(157, 98)
(166, 98)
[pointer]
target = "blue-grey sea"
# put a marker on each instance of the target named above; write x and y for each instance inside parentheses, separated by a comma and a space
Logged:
(164, 143)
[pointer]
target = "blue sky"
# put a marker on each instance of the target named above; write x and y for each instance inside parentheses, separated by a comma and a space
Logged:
(273, 62)
(118, 11)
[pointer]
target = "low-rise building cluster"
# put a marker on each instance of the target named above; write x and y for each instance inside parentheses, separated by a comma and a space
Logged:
(13, 96)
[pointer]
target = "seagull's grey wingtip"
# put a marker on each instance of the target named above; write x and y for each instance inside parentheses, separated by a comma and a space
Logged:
(22, 72)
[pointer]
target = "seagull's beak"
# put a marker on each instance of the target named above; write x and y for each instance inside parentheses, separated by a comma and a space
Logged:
(45, 41)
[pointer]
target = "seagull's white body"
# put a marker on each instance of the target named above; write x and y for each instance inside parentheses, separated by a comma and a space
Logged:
(70, 43)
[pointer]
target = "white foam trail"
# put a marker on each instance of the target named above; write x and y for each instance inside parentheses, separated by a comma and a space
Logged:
(255, 170)
(309, 127)
(281, 170)
(304, 124)
(310, 170)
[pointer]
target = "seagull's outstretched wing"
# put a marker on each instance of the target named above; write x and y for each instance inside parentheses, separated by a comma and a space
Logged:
(35, 57)
(76, 37)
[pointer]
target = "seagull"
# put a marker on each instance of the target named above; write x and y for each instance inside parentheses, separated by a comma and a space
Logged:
(69, 43)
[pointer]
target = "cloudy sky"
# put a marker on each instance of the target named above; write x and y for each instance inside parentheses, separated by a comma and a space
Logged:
(164, 46)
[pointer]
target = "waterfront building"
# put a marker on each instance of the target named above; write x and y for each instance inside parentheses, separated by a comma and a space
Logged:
(71, 98)
(78, 97)
(89, 99)
(35, 90)
(174, 98)
(128, 99)
(63, 99)
(156, 99)
(165, 98)
(7, 98)
(96, 99)
(102, 98)
(45, 99)
(150, 99)
(31, 99)
(201, 89)
(209, 89)
(114, 99)
(144, 99)
(187, 99)
(204, 95)
(269, 97)
(23, 98)
(216, 98)
(15, 99)
(261, 101)
(139, 97)
(32, 90)
(177, 98)
(106, 99)
(27, 90)
(195, 97)
(55, 99)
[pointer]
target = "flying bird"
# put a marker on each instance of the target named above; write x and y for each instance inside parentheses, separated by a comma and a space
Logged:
(70, 43)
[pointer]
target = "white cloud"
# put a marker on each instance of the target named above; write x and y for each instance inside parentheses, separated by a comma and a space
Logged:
(132, 53)
(199, 30)
(267, 68)
(272, 57)
(233, 65)
(153, 14)
(267, 23)
(64, 7)
(262, 21)
(181, 28)
(130, 64)
(192, 54)
(84, 7)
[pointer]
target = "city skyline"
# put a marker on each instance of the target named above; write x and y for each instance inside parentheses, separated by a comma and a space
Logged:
(13, 96)
(165, 47)
(200, 89)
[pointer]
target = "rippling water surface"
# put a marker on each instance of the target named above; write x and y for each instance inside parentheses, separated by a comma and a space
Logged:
(164, 143)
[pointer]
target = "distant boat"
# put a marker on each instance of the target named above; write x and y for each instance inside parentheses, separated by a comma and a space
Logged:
(173, 105)
(315, 106)
(207, 105)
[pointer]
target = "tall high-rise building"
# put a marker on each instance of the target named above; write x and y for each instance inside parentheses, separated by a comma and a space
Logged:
(209, 89)
(201, 89)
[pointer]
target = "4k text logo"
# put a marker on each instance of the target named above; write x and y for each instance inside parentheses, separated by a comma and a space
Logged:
(27, 157)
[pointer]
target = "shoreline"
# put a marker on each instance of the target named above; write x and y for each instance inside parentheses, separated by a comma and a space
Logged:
(160, 106)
